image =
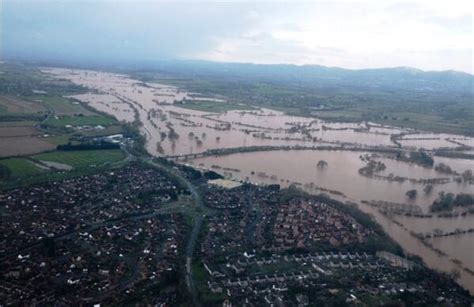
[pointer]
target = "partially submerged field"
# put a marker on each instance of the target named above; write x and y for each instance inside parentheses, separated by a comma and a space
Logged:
(435, 101)
(37, 115)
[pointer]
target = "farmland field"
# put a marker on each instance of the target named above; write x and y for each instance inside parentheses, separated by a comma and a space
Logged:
(81, 159)
(18, 131)
(29, 99)
(20, 167)
(80, 121)
(24, 123)
(61, 105)
(17, 105)
(24, 145)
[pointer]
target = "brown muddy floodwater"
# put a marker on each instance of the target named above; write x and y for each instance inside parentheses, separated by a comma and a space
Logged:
(172, 130)
(342, 175)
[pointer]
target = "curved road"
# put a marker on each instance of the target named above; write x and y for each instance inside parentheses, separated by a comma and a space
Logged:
(191, 242)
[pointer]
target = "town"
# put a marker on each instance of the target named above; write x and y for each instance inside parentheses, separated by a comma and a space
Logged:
(122, 236)
(267, 246)
(97, 238)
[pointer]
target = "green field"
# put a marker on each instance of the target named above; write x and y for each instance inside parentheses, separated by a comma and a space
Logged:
(61, 105)
(83, 158)
(17, 124)
(59, 139)
(213, 106)
(79, 121)
(20, 167)
(205, 294)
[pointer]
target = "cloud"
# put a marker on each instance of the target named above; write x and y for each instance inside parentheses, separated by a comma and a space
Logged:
(432, 35)
(356, 35)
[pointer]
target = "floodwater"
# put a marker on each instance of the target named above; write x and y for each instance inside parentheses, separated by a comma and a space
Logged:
(341, 174)
(195, 131)
(172, 130)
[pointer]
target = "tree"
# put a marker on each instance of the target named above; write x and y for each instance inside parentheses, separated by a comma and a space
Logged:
(467, 175)
(411, 194)
(322, 164)
(5, 172)
(455, 274)
(444, 202)
(428, 188)
(443, 168)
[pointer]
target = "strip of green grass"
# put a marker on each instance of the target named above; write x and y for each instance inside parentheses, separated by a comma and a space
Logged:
(213, 106)
(20, 167)
(83, 158)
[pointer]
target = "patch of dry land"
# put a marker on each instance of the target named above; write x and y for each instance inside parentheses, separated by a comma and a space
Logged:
(18, 105)
(25, 145)
(12, 131)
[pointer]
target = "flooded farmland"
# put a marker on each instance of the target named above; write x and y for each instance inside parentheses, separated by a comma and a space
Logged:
(172, 129)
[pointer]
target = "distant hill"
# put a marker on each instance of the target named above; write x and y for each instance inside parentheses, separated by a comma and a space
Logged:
(389, 78)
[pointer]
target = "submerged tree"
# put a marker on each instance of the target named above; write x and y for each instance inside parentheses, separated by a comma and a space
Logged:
(428, 188)
(322, 164)
(159, 148)
(411, 194)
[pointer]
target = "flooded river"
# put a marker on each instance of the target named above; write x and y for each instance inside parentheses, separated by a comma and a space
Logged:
(171, 129)
(341, 175)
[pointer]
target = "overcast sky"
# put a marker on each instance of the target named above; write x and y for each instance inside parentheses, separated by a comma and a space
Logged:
(426, 34)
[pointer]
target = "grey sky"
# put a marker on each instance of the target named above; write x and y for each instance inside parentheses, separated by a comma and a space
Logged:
(431, 34)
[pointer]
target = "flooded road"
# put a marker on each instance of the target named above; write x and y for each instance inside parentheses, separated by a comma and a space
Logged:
(171, 129)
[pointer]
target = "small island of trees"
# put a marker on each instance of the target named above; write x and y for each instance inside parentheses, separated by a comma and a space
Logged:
(448, 201)
(322, 164)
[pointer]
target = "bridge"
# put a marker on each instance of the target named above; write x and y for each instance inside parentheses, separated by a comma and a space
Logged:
(233, 150)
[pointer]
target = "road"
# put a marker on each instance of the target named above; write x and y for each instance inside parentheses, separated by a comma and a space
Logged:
(197, 224)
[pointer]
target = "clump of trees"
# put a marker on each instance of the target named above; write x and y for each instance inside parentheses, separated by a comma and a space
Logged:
(467, 176)
(428, 188)
(88, 146)
(448, 201)
(162, 136)
(419, 157)
(322, 164)
(5, 172)
(411, 194)
(444, 168)
(172, 135)
(159, 148)
(372, 167)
